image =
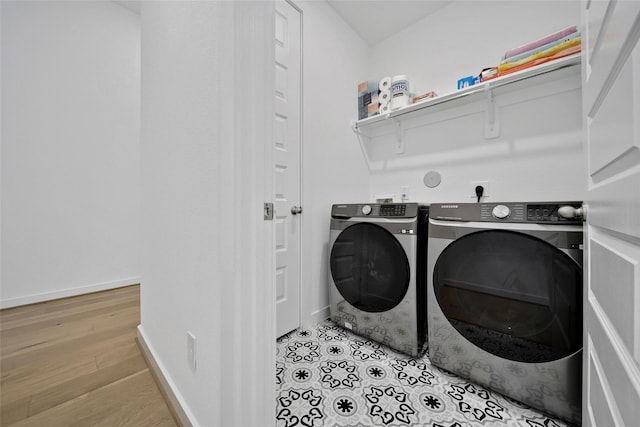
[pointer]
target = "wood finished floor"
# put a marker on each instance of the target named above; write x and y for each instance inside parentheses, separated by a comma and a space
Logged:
(75, 362)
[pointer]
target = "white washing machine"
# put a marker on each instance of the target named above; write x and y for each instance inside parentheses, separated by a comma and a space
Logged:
(377, 264)
(505, 300)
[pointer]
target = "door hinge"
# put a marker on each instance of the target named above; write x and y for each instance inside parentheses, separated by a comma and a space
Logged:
(268, 211)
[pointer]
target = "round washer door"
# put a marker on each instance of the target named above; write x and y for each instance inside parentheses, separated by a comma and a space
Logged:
(511, 294)
(369, 267)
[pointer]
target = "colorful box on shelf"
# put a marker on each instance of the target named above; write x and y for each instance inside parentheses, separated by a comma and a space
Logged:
(468, 81)
(488, 73)
(367, 99)
(485, 74)
(427, 95)
(367, 87)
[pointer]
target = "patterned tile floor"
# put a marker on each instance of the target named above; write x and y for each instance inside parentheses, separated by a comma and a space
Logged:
(327, 376)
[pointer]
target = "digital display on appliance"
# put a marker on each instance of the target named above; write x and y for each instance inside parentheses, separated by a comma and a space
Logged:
(392, 210)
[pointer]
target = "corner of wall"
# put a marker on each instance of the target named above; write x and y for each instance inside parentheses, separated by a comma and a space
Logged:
(176, 403)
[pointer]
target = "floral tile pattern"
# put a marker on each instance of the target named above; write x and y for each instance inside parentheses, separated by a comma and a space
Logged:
(328, 376)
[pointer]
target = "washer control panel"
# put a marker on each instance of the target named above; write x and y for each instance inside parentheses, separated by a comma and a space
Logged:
(501, 211)
(376, 210)
(543, 213)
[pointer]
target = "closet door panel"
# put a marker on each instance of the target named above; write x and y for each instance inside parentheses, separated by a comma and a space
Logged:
(611, 117)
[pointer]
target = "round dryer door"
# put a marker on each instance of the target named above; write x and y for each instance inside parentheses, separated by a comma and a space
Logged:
(511, 294)
(369, 268)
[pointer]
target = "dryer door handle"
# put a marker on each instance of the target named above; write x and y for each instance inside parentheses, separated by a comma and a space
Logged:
(295, 210)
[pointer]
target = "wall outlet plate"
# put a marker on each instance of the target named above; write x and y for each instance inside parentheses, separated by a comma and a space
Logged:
(485, 194)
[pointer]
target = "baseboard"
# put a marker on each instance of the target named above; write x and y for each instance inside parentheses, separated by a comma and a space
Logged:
(170, 396)
(65, 293)
(319, 316)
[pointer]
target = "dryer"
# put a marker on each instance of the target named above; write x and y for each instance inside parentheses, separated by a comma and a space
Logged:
(377, 266)
(505, 300)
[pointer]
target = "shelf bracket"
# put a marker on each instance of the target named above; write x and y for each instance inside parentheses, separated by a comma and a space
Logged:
(360, 136)
(492, 123)
(399, 143)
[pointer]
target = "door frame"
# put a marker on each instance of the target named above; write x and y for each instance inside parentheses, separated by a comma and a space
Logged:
(304, 303)
(303, 228)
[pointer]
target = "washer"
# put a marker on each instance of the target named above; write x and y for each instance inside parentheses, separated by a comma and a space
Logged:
(377, 283)
(505, 300)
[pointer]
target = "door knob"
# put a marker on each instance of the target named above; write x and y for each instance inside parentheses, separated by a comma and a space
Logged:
(295, 210)
(570, 212)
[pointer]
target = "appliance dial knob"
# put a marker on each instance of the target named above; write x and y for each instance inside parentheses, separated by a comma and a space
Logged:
(501, 211)
(366, 209)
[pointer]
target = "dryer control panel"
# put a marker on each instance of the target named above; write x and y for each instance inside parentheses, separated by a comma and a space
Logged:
(537, 212)
(376, 210)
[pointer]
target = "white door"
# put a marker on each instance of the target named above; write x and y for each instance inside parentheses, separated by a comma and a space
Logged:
(287, 148)
(611, 110)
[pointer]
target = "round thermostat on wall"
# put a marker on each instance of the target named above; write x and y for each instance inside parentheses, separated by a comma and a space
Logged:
(432, 179)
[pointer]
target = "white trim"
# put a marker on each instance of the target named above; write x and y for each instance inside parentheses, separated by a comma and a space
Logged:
(301, 190)
(266, 265)
(69, 292)
(248, 372)
(169, 389)
(319, 315)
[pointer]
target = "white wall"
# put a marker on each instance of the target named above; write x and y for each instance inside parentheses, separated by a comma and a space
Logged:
(207, 253)
(464, 37)
(70, 149)
(538, 154)
(334, 171)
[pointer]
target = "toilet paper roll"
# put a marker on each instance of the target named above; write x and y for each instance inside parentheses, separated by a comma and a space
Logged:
(384, 109)
(399, 78)
(384, 97)
(385, 83)
(400, 95)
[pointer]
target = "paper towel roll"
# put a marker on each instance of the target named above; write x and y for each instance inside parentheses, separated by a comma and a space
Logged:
(384, 109)
(384, 97)
(400, 95)
(385, 83)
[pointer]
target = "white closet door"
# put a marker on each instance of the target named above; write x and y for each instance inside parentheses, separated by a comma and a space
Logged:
(287, 148)
(611, 110)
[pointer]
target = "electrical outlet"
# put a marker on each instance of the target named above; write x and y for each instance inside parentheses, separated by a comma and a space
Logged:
(485, 193)
(191, 350)
(404, 196)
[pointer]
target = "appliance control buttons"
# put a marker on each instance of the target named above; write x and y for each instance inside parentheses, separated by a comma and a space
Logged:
(392, 210)
(501, 211)
(366, 209)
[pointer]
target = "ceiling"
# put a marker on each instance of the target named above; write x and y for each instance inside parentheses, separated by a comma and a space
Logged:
(373, 20)
(376, 20)
(132, 5)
